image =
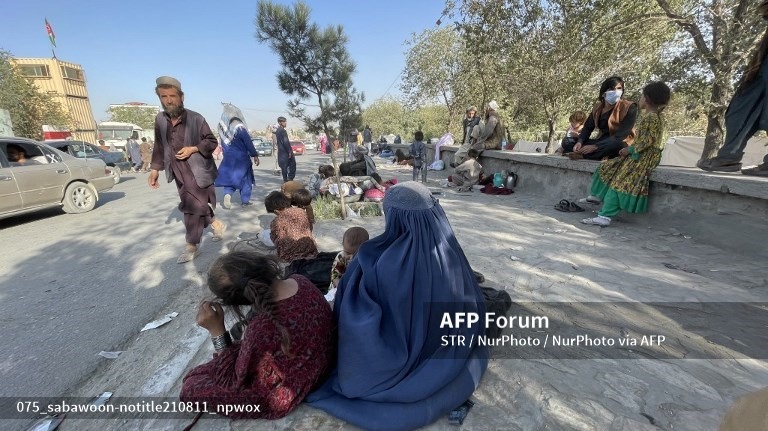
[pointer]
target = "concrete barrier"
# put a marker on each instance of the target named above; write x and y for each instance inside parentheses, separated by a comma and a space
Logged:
(725, 210)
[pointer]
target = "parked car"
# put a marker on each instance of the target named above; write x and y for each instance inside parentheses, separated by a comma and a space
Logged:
(115, 160)
(263, 147)
(48, 179)
(298, 147)
(311, 145)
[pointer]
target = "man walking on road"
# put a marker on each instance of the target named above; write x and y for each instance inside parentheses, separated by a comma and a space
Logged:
(284, 152)
(184, 148)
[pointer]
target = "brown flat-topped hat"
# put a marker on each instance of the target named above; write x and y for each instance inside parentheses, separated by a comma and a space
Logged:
(168, 80)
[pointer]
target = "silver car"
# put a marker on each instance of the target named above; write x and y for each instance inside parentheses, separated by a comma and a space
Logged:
(35, 176)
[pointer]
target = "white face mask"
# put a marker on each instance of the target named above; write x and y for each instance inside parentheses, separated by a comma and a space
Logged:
(612, 96)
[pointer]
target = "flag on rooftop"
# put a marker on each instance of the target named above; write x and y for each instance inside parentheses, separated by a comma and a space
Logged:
(49, 29)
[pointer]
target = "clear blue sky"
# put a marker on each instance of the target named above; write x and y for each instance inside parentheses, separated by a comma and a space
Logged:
(208, 45)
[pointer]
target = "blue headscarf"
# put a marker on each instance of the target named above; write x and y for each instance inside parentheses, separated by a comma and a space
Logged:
(392, 372)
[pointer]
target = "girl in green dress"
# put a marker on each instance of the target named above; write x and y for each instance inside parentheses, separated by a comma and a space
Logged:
(622, 183)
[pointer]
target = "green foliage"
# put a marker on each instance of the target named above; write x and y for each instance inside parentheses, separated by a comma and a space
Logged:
(316, 67)
(142, 117)
(326, 208)
(30, 109)
(315, 62)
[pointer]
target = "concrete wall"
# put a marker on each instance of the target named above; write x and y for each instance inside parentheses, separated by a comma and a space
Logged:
(726, 210)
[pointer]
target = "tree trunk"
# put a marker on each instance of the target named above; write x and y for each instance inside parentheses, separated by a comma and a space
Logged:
(551, 138)
(336, 170)
(715, 120)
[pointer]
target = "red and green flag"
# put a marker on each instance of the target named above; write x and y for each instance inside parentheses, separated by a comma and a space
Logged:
(49, 29)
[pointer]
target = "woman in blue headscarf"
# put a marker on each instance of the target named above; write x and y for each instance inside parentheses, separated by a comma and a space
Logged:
(235, 171)
(393, 371)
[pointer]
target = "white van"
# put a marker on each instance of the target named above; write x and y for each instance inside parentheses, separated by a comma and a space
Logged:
(117, 134)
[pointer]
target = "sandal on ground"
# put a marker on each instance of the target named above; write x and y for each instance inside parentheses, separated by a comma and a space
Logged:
(575, 156)
(567, 206)
(218, 230)
(590, 200)
(188, 255)
(597, 221)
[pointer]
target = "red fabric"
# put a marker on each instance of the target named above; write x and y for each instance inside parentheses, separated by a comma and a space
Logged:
(374, 194)
(256, 371)
(491, 190)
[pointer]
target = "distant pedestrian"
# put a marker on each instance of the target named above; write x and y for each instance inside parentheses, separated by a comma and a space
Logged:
(235, 171)
(285, 158)
(132, 146)
(183, 148)
(145, 149)
(368, 138)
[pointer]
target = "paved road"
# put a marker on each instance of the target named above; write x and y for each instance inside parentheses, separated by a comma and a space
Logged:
(74, 285)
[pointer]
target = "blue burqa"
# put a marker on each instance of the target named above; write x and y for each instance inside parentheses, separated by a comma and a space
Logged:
(235, 171)
(392, 371)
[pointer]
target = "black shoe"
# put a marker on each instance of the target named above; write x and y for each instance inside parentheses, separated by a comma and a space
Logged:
(246, 204)
(719, 165)
(757, 171)
(453, 165)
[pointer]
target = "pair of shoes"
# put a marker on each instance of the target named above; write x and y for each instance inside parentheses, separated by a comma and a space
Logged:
(590, 200)
(719, 165)
(189, 254)
(246, 204)
(757, 171)
(598, 221)
(227, 201)
(567, 206)
(218, 227)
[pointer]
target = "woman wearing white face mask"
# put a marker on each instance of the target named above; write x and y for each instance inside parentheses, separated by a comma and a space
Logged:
(614, 117)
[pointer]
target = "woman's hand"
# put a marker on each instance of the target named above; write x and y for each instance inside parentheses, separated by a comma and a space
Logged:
(210, 315)
(586, 149)
(624, 152)
(577, 147)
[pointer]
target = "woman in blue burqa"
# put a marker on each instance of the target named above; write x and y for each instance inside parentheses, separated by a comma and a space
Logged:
(393, 373)
(235, 171)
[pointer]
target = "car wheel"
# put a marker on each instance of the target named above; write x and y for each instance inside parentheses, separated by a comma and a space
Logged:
(79, 198)
(115, 172)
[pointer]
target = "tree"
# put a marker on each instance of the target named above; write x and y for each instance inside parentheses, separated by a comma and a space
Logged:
(139, 115)
(553, 55)
(30, 109)
(347, 108)
(723, 36)
(386, 116)
(436, 70)
(316, 65)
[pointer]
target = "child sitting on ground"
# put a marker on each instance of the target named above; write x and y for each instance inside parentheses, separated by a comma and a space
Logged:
(418, 151)
(577, 120)
(290, 231)
(302, 199)
(467, 174)
(316, 180)
(353, 238)
(622, 183)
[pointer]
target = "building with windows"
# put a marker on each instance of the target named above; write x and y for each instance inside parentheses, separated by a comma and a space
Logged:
(66, 83)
